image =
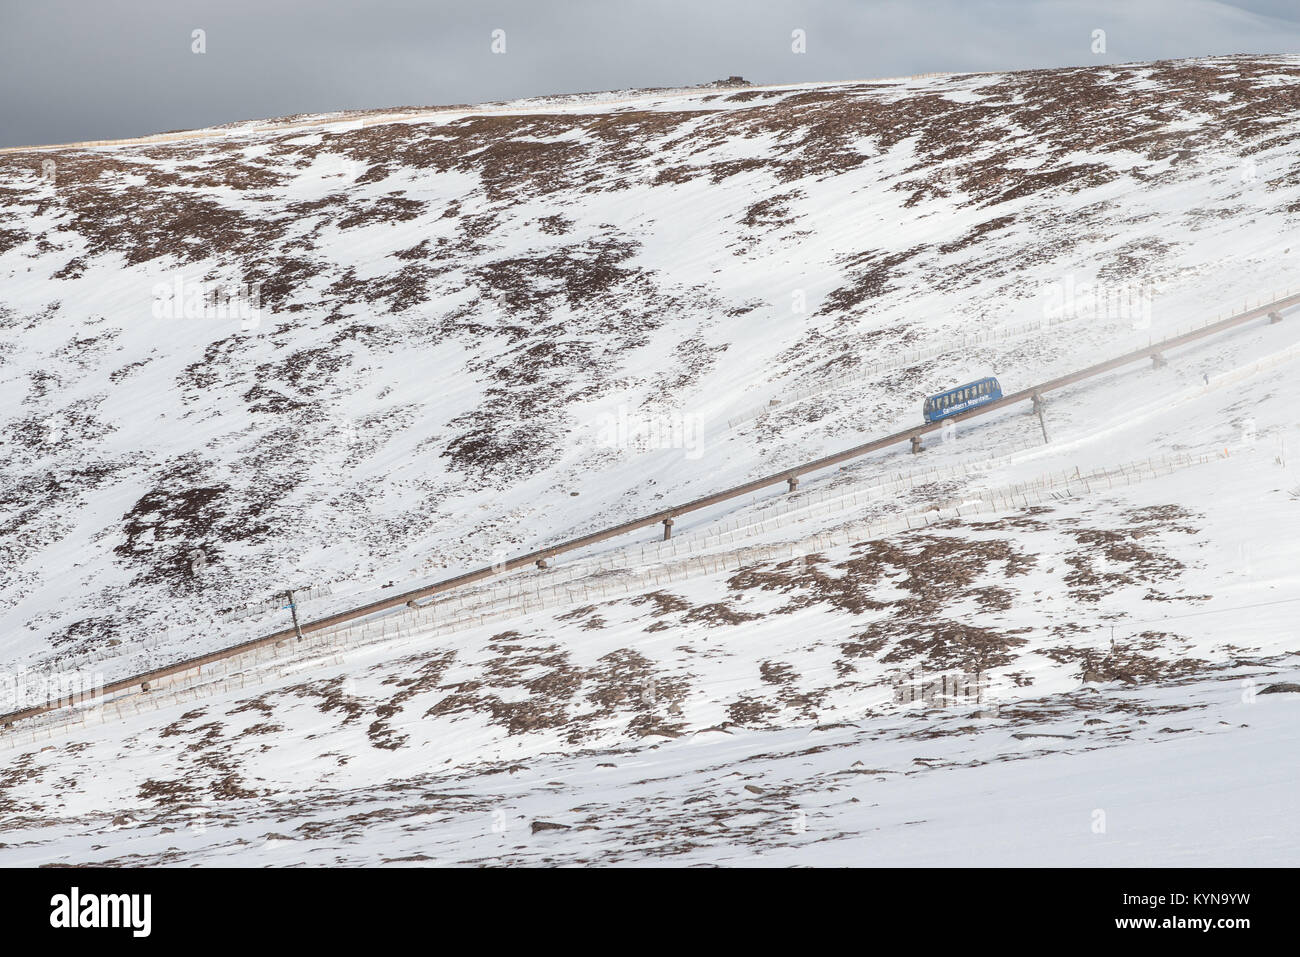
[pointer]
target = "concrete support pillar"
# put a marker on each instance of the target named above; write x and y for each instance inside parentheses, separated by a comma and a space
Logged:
(793, 480)
(1274, 317)
(1158, 361)
(668, 529)
(917, 445)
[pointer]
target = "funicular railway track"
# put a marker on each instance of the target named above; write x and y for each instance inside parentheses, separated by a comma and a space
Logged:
(1154, 351)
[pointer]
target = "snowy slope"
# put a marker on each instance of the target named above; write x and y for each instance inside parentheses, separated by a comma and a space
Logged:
(756, 716)
(486, 330)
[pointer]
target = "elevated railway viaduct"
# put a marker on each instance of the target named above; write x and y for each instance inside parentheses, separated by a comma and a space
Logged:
(1154, 353)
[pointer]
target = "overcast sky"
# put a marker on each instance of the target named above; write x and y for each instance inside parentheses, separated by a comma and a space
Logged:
(98, 69)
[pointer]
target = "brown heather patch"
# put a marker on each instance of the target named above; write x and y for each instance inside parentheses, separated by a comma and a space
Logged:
(514, 664)
(330, 698)
(662, 602)
(978, 233)
(423, 673)
(15, 772)
(12, 239)
(872, 275)
(577, 614)
(384, 209)
(627, 681)
(622, 682)
(749, 711)
(717, 613)
(944, 645)
(93, 634)
(1109, 559)
(555, 225)
(580, 273)
(1147, 658)
(936, 570)
(170, 792)
(1134, 259)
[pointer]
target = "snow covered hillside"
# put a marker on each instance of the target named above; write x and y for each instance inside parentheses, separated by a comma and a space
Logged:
(456, 335)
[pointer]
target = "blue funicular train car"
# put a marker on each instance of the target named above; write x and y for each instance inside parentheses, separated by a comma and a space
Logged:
(962, 398)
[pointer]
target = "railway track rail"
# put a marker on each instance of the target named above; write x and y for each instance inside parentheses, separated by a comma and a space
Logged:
(665, 517)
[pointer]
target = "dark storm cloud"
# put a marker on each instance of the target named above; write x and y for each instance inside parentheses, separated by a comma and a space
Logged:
(95, 69)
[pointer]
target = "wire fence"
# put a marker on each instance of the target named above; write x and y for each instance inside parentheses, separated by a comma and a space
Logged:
(807, 504)
(776, 514)
(773, 513)
(792, 508)
(676, 565)
(300, 595)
